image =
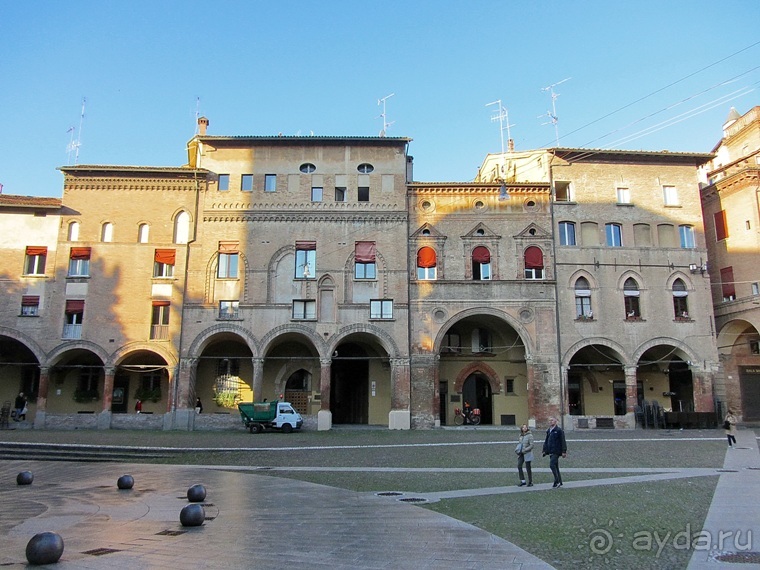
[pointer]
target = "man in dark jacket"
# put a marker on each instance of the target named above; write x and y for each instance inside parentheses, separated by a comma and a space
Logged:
(554, 446)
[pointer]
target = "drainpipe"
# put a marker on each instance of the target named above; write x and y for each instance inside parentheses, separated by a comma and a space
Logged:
(552, 197)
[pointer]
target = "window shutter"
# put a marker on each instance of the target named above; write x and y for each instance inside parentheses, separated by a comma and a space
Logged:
(534, 258)
(721, 231)
(80, 253)
(161, 303)
(167, 256)
(426, 257)
(306, 245)
(74, 306)
(30, 300)
(33, 250)
(481, 255)
(727, 282)
(365, 251)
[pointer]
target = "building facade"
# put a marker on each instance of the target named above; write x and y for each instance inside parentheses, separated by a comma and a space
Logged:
(731, 206)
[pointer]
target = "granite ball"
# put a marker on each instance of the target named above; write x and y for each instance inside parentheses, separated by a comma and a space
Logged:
(125, 482)
(25, 478)
(196, 494)
(44, 548)
(192, 515)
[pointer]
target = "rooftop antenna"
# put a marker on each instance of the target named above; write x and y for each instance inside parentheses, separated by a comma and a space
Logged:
(501, 115)
(197, 113)
(553, 119)
(386, 124)
(74, 145)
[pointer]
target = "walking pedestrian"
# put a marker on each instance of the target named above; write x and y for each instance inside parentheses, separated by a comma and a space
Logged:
(524, 452)
(20, 405)
(729, 424)
(555, 446)
(138, 406)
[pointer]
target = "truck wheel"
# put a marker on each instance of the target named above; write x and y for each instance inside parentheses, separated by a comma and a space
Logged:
(257, 428)
(287, 428)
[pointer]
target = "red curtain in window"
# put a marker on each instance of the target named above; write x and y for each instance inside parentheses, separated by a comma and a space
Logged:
(167, 256)
(229, 246)
(426, 257)
(36, 250)
(306, 245)
(30, 300)
(481, 255)
(721, 229)
(534, 258)
(74, 306)
(365, 251)
(727, 282)
(161, 303)
(80, 252)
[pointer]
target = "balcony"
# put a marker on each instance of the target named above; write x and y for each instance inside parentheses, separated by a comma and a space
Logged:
(72, 332)
(159, 332)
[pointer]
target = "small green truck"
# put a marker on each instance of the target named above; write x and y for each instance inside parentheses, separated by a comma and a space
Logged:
(258, 416)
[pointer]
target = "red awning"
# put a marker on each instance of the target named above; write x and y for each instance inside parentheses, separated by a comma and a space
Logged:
(481, 255)
(534, 258)
(161, 303)
(426, 257)
(74, 306)
(80, 252)
(30, 300)
(167, 256)
(365, 251)
(306, 245)
(36, 250)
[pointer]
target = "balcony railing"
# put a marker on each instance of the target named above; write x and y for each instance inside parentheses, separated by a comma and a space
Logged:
(159, 332)
(228, 315)
(72, 331)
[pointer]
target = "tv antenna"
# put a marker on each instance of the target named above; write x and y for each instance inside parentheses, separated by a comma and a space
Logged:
(501, 115)
(197, 113)
(74, 145)
(553, 118)
(386, 124)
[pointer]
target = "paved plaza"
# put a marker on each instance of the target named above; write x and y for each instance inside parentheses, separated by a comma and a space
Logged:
(254, 520)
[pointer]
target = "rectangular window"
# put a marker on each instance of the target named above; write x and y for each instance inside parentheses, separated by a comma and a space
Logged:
(340, 194)
(687, 236)
(481, 341)
(562, 191)
(623, 196)
(79, 262)
(159, 322)
(381, 309)
(74, 316)
(364, 260)
(534, 272)
(246, 182)
(363, 194)
(452, 343)
(34, 263)
(509, 385)
(228, 266)
(721, 228)
(566, 233)
(756, 288)
(727, 284)
(583, 307)
(614, 233)
(316, 194)
(163, 262)
(270, 183)
(305, 310)
(306, 260)
(670, 195)
(87, 383)
(229, 310)
(30, 305)
(224, 182)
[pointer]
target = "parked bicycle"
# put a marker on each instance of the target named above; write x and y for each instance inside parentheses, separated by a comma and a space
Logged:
(467, 417)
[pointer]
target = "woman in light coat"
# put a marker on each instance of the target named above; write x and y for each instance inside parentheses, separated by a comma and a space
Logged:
(524, 452)
(729, 424)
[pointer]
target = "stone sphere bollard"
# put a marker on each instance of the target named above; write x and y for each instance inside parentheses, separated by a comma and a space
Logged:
(125, 482)
(196, 494)
(192, 515)
(44, 548)
(25, 478)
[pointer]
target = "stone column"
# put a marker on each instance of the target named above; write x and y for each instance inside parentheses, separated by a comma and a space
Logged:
(631, 391)
(423, 380)
(324, 415)
(257, 383)
(171, 378)
(42, 395)
(184, 408)
(702, 383)
(400, 414)
(104, 417)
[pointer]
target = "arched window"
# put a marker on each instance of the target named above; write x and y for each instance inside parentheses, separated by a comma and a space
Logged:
(583, 299)
(680, 300)
(631, 295)
(73, 234)
(182, 228)
(567, 233)
(426, 264)
(143, 232)
(534, 263)
(106, 232)
(481, 263)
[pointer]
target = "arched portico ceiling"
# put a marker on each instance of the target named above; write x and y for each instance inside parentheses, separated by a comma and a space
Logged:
(735, 333)
(663, 350)
(509, 338)
(80, 351)
(220, 333)
(597, 353)
(374, 340)
(292, 334)
(141, 360)
(143, 353)
(17, 339)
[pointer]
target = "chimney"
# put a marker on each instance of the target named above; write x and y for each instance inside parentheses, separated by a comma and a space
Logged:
(202, 126)
(511, 145)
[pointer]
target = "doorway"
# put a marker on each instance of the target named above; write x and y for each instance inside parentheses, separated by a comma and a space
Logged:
(349, 392)
(477, 391)
(120, 401)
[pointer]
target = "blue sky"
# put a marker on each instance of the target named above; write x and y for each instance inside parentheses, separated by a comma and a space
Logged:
(650, 75)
